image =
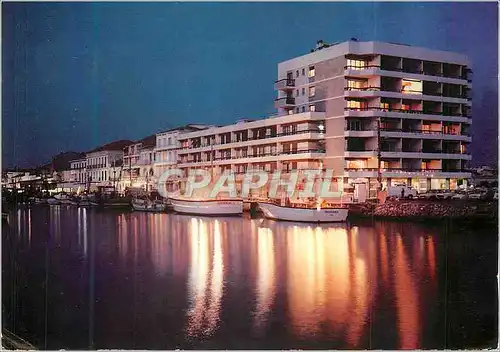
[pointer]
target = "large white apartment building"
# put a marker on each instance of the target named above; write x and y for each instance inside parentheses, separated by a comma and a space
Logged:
(367, 110)
(399, 110)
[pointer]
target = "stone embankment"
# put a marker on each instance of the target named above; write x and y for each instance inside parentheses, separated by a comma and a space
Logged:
(407, 210)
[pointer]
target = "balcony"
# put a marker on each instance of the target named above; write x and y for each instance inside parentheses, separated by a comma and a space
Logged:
(361, 91)
(400, 113)
(285, 102)
(284, 84)
(313, 134)
(361, 71)
(426, 134)
(262, 157)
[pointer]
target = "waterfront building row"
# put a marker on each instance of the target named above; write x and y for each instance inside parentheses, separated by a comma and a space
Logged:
(370, 111)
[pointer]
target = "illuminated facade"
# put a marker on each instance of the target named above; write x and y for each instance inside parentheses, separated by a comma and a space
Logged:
(138, 165)
(364, 109)
(404, 106)
(284, 143)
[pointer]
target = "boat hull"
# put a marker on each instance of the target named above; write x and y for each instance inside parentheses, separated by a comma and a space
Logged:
(53, 201)
(152, 208)
(277, 212)
(208, 207)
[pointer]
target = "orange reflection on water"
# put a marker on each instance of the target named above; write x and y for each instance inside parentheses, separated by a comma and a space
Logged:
(205, 285)
(407, 304)
(431, 257)
(266, 276)
(326, 282)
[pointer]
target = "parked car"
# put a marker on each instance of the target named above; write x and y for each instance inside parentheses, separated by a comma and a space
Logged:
(445, 194)
(460, 195)
(396, 190)
(429, 195)
(477, 195)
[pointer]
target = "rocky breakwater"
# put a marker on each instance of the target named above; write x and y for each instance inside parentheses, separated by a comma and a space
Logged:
(435, 210)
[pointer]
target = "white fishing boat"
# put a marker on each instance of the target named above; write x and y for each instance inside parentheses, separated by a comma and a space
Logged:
(148, 205)
(85, 203)
(228, 207)
(63, 198)
(53, 201)
(40, 201)
(303, 214)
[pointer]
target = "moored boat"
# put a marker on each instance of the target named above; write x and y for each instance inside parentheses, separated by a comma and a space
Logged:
(148, 205)
(117, 203)
(227, 207)
(63, 198)
(53, 201)
(87, 203)
(303, 214)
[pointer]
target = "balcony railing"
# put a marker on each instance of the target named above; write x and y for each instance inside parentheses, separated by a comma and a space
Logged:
(422, 131)
(410, 70)
(284, 102)
(287, 133)
(425, 112)
(362, 89)
(283, 84)
(257, 155)
(359, 68)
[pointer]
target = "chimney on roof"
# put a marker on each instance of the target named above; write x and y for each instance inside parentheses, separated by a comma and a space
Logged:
(354, 39)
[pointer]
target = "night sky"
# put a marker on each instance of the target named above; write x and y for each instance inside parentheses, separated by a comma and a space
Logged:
(78, 75)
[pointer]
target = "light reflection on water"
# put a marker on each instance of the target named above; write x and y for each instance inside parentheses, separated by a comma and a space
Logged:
(319, 282)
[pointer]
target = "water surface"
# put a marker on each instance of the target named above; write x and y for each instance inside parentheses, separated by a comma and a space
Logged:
(85, 278)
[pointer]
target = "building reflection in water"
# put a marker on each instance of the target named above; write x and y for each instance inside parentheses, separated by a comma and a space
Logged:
(206, 277)
(327, 282)
(266, 277)
(407, 304)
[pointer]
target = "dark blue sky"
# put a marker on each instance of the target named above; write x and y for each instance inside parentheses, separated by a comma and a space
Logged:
(77, 75)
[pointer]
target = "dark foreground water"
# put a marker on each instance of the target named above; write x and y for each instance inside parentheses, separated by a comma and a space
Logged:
(76, 278)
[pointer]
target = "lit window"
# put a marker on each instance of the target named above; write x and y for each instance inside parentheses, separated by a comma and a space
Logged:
(354, 104)
(312, 71)
(312, 91)
(405, 107)
(312, 108)
(384, 106)
(462, 148)
(356, 164)
(356, 64)
(411, 86)
(290, 112)
(354, 84)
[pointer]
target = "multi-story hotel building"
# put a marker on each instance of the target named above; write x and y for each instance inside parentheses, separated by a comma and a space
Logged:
(393, 111)
(371, 111)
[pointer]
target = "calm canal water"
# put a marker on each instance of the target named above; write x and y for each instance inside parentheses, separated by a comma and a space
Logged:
(85, 278)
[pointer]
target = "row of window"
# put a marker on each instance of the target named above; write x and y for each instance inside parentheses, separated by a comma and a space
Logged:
(311, 108)
(312, 91)
(311, 72)
(165, 141)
